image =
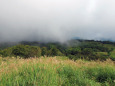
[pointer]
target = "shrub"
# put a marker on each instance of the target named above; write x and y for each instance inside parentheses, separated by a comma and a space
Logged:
(44, 51)
(54, 52)
(26, 51)
(102, 75)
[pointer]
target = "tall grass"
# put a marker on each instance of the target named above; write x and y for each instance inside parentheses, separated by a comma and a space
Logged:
(56, 71)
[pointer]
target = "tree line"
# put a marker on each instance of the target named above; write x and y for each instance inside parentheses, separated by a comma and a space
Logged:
(89, 50)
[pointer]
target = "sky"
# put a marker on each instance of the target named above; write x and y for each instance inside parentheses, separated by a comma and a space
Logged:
(56, 20)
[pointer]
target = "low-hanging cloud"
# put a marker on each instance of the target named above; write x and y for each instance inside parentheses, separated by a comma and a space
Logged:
(56, 20)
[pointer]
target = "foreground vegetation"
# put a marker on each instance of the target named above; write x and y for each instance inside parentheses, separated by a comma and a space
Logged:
(56, 71)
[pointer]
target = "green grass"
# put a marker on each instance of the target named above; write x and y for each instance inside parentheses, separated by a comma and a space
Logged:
(56, 71)
(112, 55)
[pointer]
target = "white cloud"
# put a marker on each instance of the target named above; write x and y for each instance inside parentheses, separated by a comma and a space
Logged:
(56, 20)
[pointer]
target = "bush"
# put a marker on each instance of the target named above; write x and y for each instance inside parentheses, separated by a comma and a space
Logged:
(26, 51)
(102, 75)
(44, 51)
(6, 52)
(74, 51)
(54, 52)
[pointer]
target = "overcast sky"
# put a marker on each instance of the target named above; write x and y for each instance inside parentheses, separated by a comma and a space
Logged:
(56, 20)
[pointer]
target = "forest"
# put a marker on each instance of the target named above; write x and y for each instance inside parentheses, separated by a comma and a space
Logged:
(73, 49)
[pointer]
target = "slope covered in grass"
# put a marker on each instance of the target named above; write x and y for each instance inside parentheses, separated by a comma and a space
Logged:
(56, 71)
(112, 55)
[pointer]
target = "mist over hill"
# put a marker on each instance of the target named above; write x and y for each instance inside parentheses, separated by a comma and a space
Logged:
(56, 20)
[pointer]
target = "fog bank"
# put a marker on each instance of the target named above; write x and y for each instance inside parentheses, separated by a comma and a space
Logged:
(56, 20)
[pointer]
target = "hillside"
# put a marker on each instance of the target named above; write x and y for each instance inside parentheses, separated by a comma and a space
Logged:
(74, 49)
(56, 71)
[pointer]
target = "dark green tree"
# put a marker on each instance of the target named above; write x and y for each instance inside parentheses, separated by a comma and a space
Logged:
(54, 52)
(44, 51)
(6, 52)
(26, 51)
(34, 51)
(74, 51)
(87, 51)
(20, 50)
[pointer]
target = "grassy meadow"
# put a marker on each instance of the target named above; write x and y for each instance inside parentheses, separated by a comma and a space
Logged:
(56, 71)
